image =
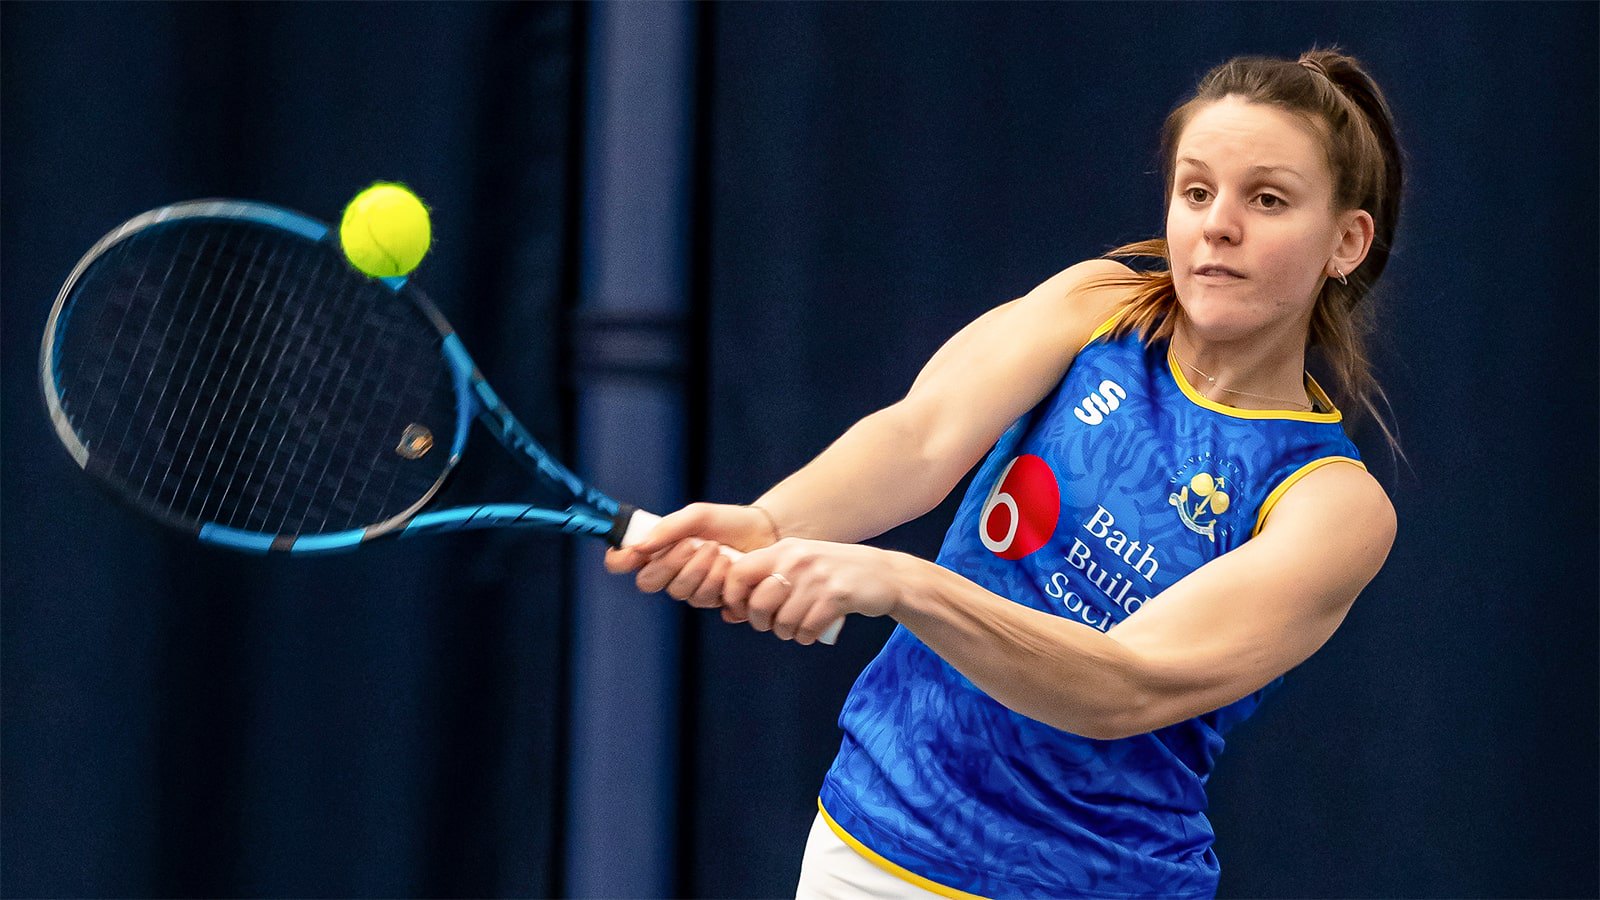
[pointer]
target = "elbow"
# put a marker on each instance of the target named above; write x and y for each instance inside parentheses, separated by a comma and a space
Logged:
(1111, 698)
(1126, 719)
(1119, 725)
(1132, 710)
(1152, 699)
(1107, 726)
(1125, 712)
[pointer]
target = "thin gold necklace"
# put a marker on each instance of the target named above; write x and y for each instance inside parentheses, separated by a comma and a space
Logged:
(1212, 381)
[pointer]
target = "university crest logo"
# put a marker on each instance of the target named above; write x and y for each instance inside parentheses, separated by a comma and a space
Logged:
(1204, 493)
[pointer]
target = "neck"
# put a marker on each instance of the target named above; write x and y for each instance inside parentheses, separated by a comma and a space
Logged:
(1254, 372)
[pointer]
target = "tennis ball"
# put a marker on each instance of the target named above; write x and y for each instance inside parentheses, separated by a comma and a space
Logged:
(385, 231)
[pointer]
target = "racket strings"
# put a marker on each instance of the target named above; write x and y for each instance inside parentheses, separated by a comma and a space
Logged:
(231, 501)
(329, 367)
(382, 409)
(240, 496)
(201, 343)
(142, 305)
(234, 374)
(378, 343)
(203, 419)
(138, 296)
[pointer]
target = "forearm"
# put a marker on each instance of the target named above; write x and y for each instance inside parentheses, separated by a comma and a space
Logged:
(876, 476)
(1070, 676)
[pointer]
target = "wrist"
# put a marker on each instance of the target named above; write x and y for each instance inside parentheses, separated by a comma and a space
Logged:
(772, 522)
(916, 581)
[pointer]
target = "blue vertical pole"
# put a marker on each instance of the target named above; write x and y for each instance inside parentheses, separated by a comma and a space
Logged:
(633, 282)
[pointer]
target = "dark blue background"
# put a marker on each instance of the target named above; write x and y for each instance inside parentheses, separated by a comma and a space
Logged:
(183, 721)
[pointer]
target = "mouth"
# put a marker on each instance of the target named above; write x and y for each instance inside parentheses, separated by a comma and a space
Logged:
(1216, 273)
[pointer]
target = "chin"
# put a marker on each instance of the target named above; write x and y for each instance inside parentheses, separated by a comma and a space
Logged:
(1221, 319)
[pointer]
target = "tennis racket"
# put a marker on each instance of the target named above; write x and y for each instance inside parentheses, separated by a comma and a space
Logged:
(222, 367)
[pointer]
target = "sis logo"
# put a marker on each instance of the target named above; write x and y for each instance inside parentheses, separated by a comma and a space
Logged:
(1022, 509)
(1103, 402)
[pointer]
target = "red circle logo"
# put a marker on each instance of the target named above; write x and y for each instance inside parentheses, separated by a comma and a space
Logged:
(1021, 511)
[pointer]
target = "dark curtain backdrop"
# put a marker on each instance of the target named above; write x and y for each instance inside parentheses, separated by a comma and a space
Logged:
(183, 721)
(179, 721)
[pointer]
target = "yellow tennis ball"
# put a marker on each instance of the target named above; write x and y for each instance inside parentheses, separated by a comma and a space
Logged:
(385, 231)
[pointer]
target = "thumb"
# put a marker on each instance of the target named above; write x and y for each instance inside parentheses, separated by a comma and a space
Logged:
(671, 529)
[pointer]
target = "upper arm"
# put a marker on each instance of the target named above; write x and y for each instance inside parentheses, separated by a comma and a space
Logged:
(1235, 624)
(1004, 362)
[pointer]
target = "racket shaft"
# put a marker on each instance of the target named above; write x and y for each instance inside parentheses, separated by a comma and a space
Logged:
(641, 524)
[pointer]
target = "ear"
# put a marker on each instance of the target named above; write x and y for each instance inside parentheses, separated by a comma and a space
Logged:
(1355, 234)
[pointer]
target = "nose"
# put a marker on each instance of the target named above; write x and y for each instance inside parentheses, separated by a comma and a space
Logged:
(1221, 223)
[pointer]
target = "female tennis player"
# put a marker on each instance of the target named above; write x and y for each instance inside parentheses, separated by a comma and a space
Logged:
(1168, 517)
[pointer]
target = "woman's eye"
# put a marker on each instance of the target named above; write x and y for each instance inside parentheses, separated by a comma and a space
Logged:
(1269, 201)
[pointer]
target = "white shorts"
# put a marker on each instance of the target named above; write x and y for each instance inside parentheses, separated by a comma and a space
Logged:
(833, 870)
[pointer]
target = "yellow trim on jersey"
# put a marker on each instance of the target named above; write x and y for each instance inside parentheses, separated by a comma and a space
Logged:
(888, 866)
(1101, 329)
(1296, 475)
(1300, 416)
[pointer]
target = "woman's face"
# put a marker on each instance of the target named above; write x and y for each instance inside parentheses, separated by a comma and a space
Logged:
(1252, 192)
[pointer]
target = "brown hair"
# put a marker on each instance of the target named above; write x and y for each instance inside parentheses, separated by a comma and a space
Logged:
(1342, 102)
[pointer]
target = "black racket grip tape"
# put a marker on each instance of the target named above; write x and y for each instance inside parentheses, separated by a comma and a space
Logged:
(619, 524)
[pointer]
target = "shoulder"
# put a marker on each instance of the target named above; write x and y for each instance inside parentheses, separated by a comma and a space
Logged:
(1087, 271)
(1338, 506)
(1086, 293)
(1094, 282)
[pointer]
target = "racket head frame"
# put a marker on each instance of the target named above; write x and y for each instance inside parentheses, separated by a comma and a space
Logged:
(591, 512)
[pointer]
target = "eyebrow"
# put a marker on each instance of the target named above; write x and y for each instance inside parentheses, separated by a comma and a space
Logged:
(1254, 170)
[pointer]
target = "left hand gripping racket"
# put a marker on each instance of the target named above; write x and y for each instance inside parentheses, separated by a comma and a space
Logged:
(221, 366)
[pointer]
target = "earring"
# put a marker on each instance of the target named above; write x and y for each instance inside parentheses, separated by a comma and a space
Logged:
(1340, 275)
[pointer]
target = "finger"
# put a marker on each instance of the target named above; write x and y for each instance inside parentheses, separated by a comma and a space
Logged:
(769, 595)
(665, 565)
(620, 561)
(659, 571)
(709, 594)
(742, 576)
(629, 560)
(736, 587)
(792, 610)
(673, 528)
(734, 609)
(816, 621)
(694, 572)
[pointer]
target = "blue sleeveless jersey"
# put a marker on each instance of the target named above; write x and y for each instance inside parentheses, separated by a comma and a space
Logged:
(1117, 484)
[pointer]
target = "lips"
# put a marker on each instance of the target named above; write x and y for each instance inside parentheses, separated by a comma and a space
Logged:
(1212, 269)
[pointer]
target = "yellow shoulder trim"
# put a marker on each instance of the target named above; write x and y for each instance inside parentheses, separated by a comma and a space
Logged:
(887, 866)
(1321, 396)
(1299, 416)
(1296, 475)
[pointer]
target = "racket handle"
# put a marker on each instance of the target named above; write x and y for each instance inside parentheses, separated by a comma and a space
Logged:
(639, 525)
